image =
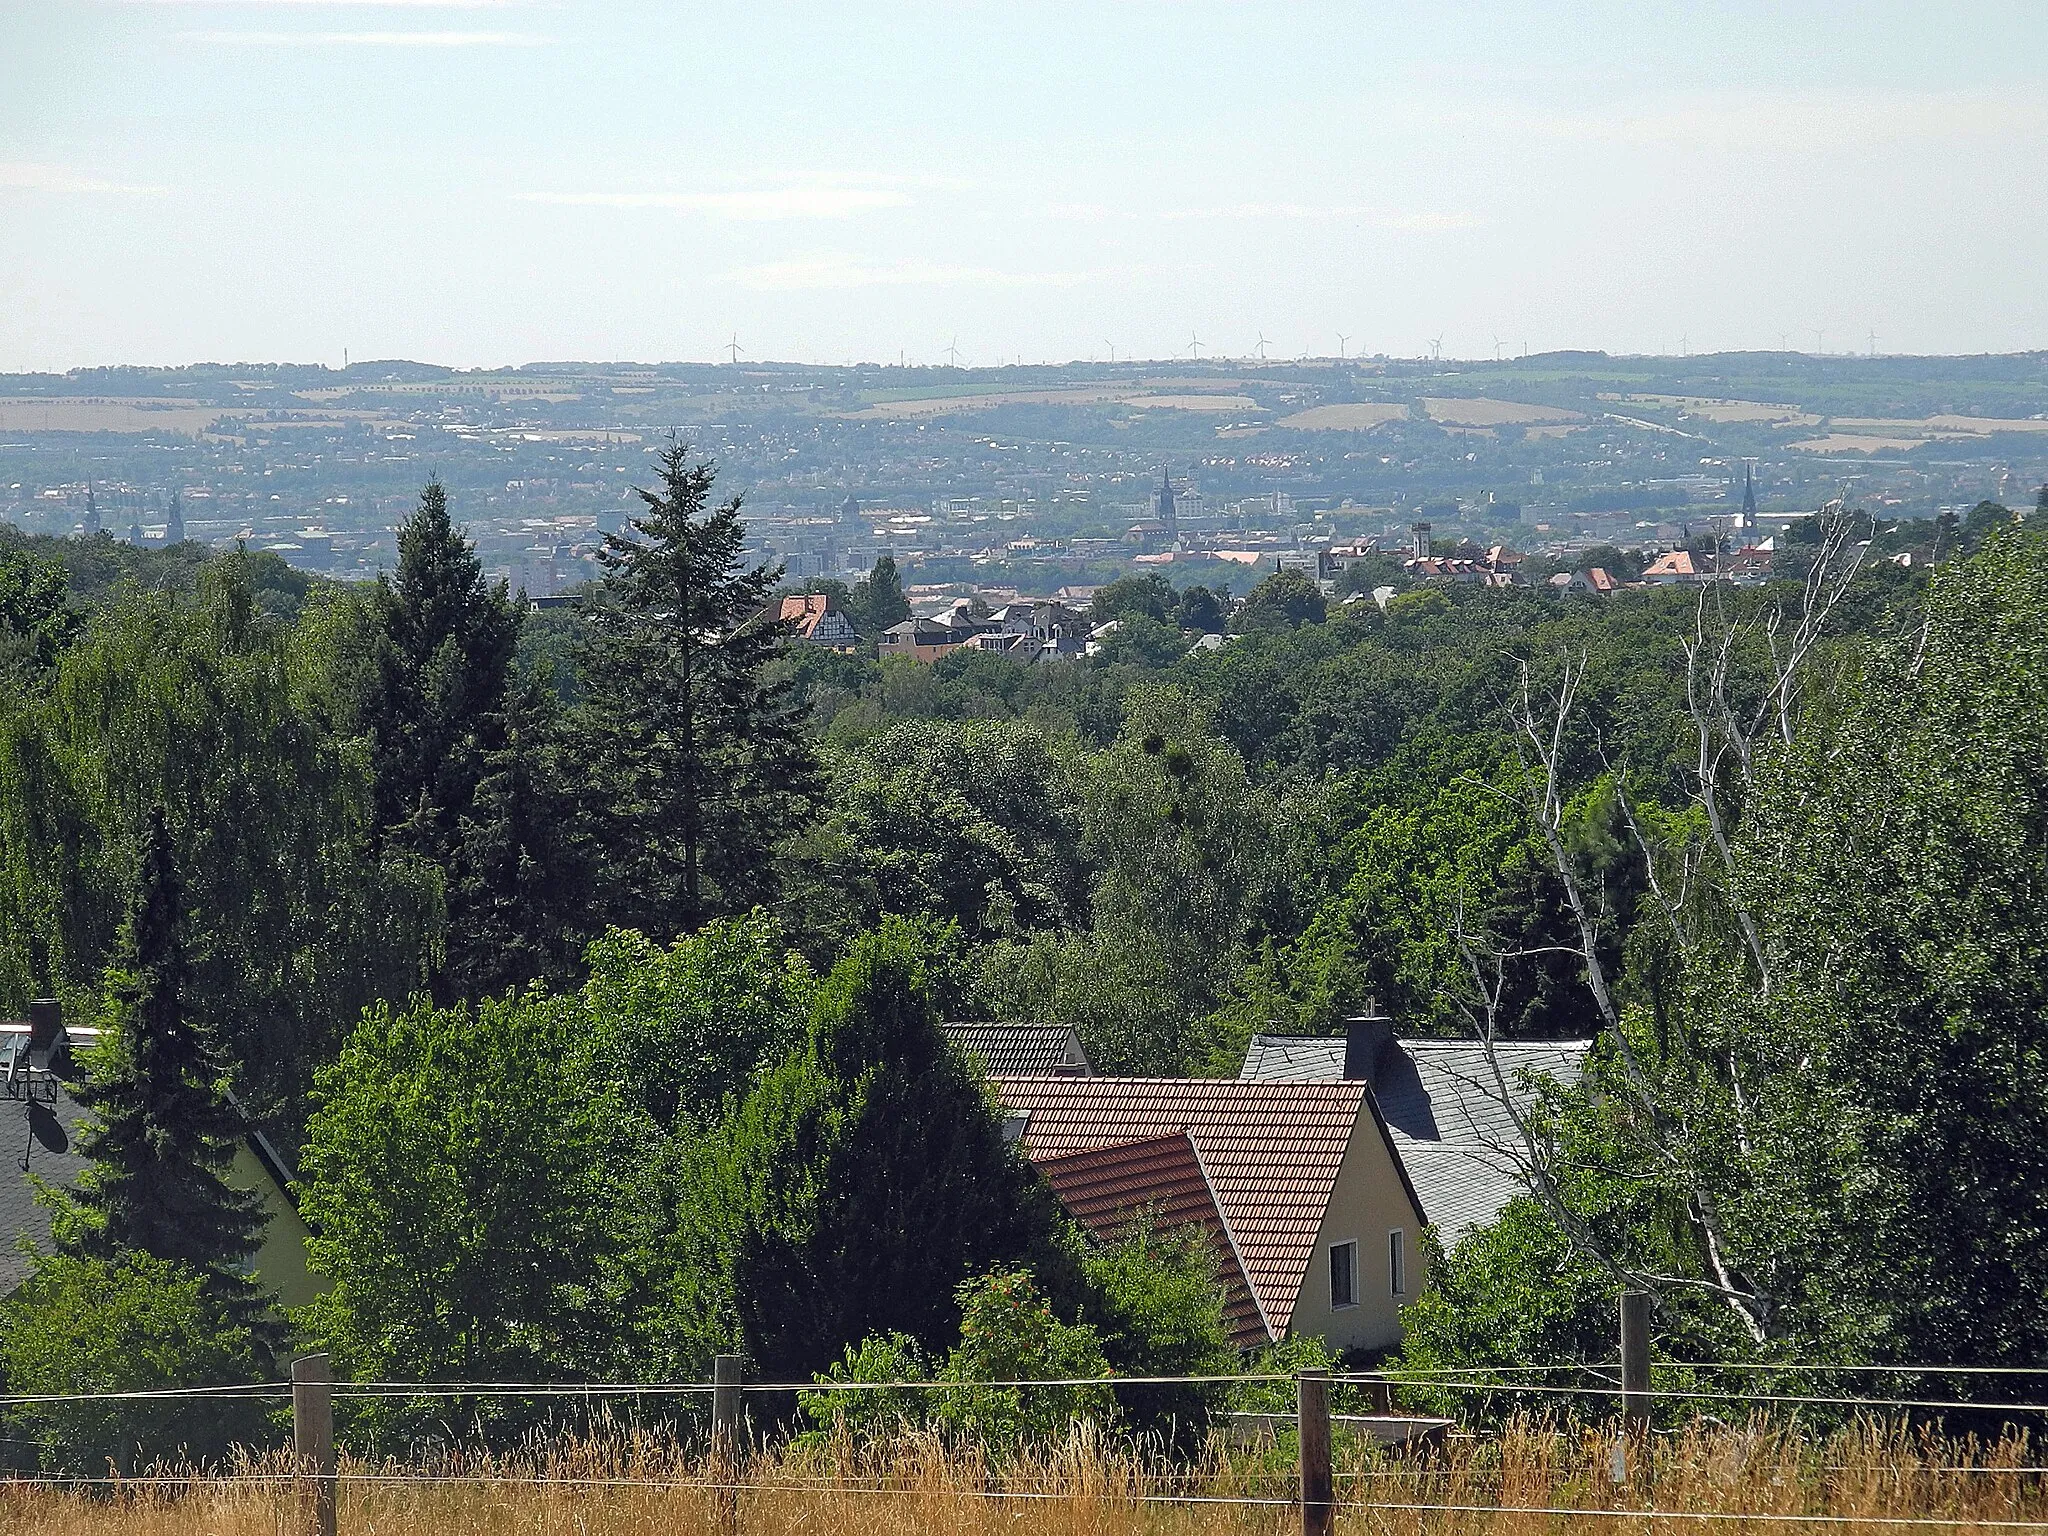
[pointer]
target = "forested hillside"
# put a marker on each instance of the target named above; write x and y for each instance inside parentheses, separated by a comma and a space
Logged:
(590, 961)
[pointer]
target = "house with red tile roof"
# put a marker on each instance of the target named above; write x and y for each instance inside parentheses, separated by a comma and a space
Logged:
(814, 621)
(1311, 1200)
(1159, 1182)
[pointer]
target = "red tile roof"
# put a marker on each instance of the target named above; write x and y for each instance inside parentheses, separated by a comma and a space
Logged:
(1159, 1180)
(1271, 1152)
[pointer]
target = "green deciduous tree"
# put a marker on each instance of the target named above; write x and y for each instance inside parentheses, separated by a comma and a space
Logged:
(36, 623)
(1284, 600)
(125, 1324)
(1157, 1307)
(461, 1209)
(1179, 842)
(698, 758)
(216, 713)
(676, 1032)
(978, 824)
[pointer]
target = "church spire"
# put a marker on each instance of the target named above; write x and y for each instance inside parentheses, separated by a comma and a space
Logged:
(1163, 506)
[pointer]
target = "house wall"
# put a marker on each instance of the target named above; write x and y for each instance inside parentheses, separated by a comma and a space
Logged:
(281, 1255)
(1369, 1201)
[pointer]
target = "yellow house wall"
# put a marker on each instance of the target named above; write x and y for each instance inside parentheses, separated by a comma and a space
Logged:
(280, 1262)
(1368, 1202)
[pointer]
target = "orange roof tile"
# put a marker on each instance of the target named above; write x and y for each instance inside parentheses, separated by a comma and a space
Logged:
(1159, 1179)
(1271, 1152)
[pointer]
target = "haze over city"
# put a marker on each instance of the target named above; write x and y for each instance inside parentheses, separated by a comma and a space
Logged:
(488, 182)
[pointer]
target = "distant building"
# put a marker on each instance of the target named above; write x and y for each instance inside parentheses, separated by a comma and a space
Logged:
(814, 621)
(174, 521)
(92, 513)
(1163, 509)
(1674, 568)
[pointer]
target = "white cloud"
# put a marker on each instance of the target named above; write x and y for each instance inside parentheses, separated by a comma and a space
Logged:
(367, 39)
(831, 272)
(1757, 121)
(20, 176)
(798, 202)
(1421, 222)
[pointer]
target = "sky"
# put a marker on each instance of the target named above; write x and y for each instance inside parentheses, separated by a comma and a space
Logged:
(494, 182)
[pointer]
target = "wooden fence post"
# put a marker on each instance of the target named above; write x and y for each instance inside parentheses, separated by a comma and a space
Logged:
(1635, 1360)
(1318, 1505)
(313, 1443)
(725, 1409)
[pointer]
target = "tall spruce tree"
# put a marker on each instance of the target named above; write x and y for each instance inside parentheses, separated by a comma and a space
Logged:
(450, 637)
(457, 778)
(701, 760)
(163, 1130)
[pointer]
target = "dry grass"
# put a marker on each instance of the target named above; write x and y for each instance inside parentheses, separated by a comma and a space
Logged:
(1532, 1478)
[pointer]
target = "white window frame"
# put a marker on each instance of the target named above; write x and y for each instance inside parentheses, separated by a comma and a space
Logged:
(1397, 1261)
(1350, 1243)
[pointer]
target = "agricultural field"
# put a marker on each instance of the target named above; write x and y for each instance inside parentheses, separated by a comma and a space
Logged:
(1359, 416)
(1493, 413)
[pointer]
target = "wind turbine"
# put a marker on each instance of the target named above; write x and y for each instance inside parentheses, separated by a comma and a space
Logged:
(953, 352)
(1873, 341)
(1341, 340)
(1496, 346)
(1436, 349)
(1260, 348)
(734, 348)
(1195, 346)
(1112, 351)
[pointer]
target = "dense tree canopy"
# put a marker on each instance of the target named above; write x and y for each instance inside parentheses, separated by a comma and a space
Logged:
(514, 928)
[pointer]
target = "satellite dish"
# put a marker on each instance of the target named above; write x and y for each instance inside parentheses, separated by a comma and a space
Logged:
(47, 1129)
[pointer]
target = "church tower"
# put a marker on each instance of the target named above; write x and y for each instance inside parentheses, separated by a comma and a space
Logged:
(174, 524)
(92, 513)
(1162, 508)
(1748, 499)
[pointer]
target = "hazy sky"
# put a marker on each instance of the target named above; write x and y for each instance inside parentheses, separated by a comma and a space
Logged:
(505, 181)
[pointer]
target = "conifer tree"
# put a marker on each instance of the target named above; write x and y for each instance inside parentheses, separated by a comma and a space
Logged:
(163, 1130)
(702, 763)
(450, 638)
(858, 1185)
(877, 601)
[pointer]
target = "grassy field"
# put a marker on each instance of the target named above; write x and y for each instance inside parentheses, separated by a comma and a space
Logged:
(1532, 1478)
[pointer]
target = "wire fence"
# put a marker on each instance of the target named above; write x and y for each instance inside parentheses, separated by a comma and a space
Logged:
(1619, 1474)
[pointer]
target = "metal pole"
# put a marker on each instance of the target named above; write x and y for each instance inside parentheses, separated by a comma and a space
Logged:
(1635, 1359)
(1318, 1503)
(313, 1442)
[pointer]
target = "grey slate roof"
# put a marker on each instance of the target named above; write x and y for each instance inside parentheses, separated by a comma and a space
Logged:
(1022, 1050)
(1453, 1129)
(20, 1215)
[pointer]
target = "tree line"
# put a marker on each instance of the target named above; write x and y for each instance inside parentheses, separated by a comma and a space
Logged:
(591, 965)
